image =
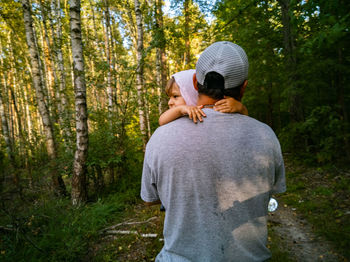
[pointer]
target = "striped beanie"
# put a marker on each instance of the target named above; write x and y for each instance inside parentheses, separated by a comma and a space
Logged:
(225, 58)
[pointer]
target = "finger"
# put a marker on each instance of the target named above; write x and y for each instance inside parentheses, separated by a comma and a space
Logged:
(189, 114)
(201, 112)
(220, 107)
(199, 116)
(220, 102)
(194, 115)
(224, 111)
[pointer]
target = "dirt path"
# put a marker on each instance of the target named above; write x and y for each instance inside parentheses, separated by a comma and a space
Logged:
(294, 235)
(298, 239)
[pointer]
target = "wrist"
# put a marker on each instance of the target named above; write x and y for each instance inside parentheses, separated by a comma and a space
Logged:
(182, 110)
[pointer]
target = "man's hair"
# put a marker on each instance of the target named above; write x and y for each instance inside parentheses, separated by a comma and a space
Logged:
(214, 87)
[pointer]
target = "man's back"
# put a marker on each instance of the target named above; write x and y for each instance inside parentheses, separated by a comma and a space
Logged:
(215, 180)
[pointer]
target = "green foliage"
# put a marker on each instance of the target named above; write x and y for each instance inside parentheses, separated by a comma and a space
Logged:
(104, 148)
(320, 138)
(52, 230)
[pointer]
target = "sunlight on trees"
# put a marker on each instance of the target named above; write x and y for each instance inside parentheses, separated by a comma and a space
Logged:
(299, 69)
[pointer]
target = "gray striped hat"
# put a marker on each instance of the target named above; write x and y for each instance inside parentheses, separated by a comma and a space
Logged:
(225, 58)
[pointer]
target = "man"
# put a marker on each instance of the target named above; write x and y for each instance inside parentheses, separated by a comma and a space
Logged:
(215, 178)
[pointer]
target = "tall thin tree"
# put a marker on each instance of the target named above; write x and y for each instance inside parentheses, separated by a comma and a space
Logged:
(108, 56)
(79, 189)
(160, 56)
(38, 85)
(139, 73)
(187, 4)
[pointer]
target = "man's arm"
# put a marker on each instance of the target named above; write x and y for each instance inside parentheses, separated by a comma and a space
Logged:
(149, 192)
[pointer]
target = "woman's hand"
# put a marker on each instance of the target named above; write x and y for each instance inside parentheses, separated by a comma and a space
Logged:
(193, 112)
(230, 105)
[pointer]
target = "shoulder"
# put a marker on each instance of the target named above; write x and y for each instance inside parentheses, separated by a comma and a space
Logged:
(168, 131)
(253, 128)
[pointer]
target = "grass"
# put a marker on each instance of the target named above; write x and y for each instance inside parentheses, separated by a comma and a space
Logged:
(41, 227)
(132, 247)
(136, 248)
(278, 253)
(322, 196)
(55, 231)
(50, 229)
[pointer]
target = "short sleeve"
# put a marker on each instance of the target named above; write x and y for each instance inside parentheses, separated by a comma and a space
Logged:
(149, 191)
(280, 179)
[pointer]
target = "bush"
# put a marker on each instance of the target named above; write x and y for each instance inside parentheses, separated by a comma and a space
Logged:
(55, 231)
(320, 138)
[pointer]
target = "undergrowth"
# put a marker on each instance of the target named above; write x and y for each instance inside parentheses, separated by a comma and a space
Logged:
(53, 230)
(41, 227)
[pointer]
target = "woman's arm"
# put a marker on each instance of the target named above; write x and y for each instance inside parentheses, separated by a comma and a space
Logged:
(230, 105)
(193, 112)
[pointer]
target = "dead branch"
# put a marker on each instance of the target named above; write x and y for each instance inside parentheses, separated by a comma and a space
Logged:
(127, 223)
(130, 232)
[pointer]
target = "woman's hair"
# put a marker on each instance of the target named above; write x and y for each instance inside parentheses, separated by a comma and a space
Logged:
(214, 87)
(169, 86)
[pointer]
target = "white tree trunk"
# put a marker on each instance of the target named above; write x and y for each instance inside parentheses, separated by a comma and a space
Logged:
(28, 115)
(38, 85)
(187, 4)
(108, 56)
(139, 74)
(58, 58)
(79, 190)
(160, 58)
(5, 129)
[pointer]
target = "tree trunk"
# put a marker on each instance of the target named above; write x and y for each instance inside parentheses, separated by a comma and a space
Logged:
(38, 85)
(296, 105)
(115, 68)
(139, 74)
(187, 34)
(51, 67)
(13, 89)
(5, 130)
(269, 112)
(79, 189)
(340, 97)
(27, 115)
(108, 56)
(57, 46)
(160, 59)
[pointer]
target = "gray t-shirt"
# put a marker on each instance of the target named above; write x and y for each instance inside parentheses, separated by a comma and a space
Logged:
(215, 180)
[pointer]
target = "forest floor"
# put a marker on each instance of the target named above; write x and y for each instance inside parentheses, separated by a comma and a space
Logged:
(310, 224)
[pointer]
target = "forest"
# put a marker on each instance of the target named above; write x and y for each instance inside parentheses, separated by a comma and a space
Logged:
(82, 88)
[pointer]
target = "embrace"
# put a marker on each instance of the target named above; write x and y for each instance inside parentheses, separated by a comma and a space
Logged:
(214, 178)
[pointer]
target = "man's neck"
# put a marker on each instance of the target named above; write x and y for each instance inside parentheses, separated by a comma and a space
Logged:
(206, 101)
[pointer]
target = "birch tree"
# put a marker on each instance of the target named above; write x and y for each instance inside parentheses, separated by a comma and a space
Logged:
(187, 34)
(38, 85)
(79, 189)
(139, 73)
(108, 56)
(160, 56)
(5, 133)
